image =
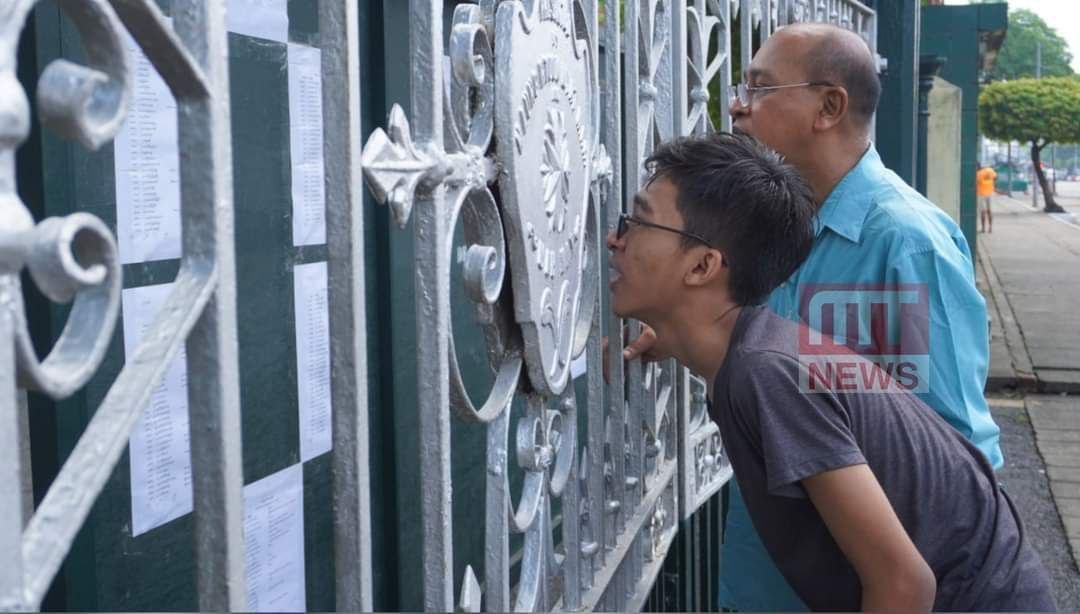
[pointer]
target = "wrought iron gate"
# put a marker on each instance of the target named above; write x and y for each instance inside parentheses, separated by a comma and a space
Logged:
(527, 96)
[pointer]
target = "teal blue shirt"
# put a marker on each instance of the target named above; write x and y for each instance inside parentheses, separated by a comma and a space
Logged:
(875, 229)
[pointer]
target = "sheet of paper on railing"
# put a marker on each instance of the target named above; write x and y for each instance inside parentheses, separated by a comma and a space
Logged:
(312, 359)
(160, 444)
(306, 145)
(274, 542)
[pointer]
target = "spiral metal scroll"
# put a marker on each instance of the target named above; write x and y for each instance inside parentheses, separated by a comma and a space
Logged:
(74, 257)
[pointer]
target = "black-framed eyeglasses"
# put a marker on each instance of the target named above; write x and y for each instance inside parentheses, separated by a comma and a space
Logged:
(625, 219)
(745, 93)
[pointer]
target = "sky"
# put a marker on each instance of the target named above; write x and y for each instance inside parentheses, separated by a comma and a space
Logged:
(1062, 15)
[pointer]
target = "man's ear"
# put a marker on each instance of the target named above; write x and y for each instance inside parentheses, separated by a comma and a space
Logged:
(706, 267)
(834, 108)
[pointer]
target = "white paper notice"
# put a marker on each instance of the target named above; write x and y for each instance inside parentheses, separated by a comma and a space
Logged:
(306, 145)
(267, 19)
(147, 163)
(274, 542)
(312, 359)
(160, 445)
(578, 366)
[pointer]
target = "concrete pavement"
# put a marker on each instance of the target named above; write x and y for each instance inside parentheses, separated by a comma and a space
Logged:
(1034, 259)
(1024, 478)
(1029, 270)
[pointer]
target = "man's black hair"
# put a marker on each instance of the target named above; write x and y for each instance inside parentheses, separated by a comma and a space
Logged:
(746, 201)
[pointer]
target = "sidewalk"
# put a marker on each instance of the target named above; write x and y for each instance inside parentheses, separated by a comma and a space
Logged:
(1029, 269)
(1032, 265)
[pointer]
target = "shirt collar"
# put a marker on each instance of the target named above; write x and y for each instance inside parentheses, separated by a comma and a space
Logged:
(844, 211)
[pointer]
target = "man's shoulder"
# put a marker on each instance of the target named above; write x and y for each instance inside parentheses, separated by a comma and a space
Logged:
(767, 338)
(904, 221)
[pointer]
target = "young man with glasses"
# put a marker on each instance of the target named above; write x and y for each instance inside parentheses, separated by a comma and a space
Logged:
(811, 95)
(865, 501)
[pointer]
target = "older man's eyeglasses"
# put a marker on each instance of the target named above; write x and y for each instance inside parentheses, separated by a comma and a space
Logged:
(745, 93)
(626, 219)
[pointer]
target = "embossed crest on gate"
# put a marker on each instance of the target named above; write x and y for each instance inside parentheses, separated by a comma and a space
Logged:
(545, 147)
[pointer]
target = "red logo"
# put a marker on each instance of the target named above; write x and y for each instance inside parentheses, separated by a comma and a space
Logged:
(864, 338)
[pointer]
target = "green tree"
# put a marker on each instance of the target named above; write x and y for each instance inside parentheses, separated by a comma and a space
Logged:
(1016, 60)
(1035, 111)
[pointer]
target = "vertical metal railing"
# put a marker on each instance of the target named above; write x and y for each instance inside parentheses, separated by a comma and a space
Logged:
(611, 433)
(339, 33)
(650, 504)
(701, 32)
(432, 231)
(74, 258)
(206, 206)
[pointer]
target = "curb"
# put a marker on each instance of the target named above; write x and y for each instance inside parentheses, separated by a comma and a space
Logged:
(1023, 373)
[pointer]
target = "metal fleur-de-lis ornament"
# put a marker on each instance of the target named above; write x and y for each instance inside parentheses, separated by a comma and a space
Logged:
(395, 167)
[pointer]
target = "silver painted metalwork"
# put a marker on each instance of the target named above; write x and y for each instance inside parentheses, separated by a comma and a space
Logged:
(545, 87)
(519, 98)
(338, 30)
(549, 116)
(524, 76)
(74, 258)
(701, 31)
(644, 426)
(25, 475)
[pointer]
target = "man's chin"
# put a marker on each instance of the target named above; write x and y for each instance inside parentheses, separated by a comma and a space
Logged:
(620, 309)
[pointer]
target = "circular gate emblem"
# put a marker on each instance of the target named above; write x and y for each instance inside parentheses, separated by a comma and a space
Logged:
(544, 140)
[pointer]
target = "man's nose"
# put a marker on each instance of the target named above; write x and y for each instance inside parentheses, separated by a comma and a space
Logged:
(612, 241)
(736, 109)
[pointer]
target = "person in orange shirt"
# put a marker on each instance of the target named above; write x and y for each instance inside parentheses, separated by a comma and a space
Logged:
(984, 189)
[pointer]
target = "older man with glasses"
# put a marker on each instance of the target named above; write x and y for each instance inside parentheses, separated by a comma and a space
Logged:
(811, 93)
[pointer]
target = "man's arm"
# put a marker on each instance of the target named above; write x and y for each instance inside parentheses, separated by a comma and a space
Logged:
(958, 339)
(894, 576)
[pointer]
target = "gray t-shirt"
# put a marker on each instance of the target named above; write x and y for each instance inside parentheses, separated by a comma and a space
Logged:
(942, 488)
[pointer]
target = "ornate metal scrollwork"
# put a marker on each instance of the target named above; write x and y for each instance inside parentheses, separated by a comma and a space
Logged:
(708, 26)
(545, 147)
(75, 259)
(71, 258)
(529, 251)
(518, 104)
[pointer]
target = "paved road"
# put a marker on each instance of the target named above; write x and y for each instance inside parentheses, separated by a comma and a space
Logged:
(1025, 479)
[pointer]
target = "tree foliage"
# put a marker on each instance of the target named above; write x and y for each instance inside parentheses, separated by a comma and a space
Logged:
(1016, 60)
(1035, 111)
(1031, 110)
